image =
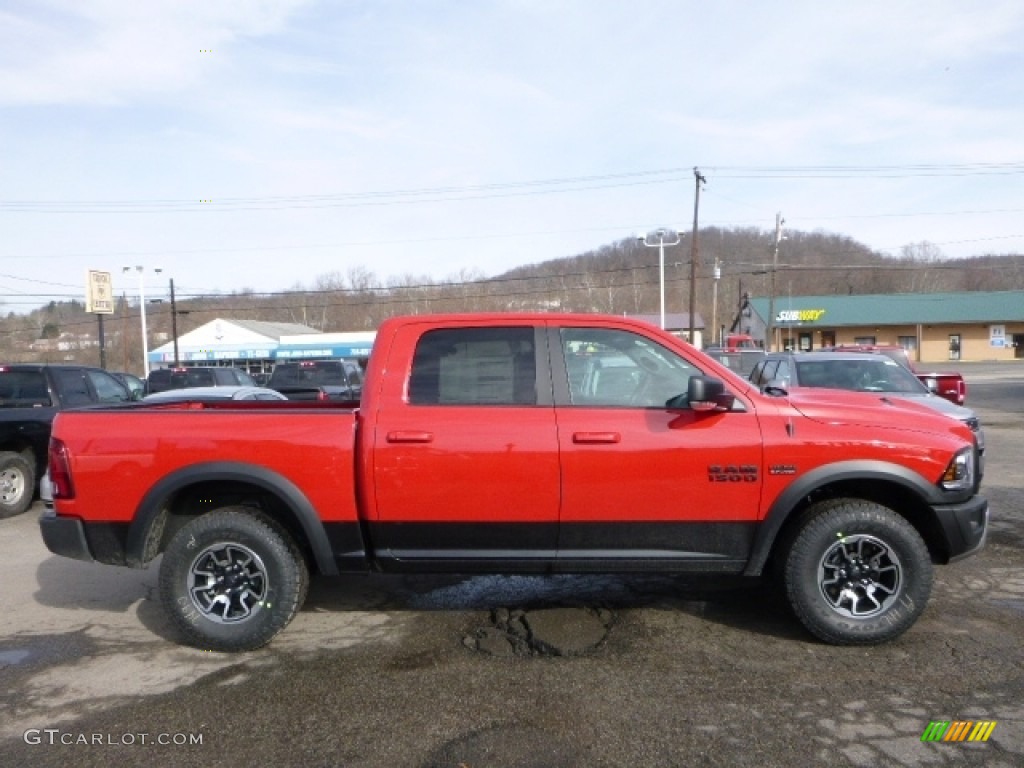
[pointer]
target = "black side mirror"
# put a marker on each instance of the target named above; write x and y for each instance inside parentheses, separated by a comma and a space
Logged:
(706, 393)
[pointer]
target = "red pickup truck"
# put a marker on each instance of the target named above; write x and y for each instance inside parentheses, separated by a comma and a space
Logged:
(511, 443)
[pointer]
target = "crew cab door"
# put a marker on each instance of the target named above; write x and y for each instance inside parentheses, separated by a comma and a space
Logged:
(465, 451)
(643, 482)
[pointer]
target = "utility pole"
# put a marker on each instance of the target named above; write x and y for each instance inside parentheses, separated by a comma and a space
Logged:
(770, 336)
(698, 180)
(174, 325)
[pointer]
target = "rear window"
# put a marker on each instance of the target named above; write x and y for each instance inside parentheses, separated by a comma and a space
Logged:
(309, 374)
(195, 377)
(23, 388)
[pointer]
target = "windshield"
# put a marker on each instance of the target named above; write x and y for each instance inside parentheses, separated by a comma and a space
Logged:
(872, 373)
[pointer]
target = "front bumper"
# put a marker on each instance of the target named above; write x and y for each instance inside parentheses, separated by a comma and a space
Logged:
(965, 526)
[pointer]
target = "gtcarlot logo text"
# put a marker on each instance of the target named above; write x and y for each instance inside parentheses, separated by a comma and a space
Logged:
(55, 737)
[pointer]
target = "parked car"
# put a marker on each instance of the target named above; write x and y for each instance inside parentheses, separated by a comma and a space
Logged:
(136, 386)
(854, 370)
(162, 379)
(31, 394)
(318, 380)
(950, 384)
(196, 394)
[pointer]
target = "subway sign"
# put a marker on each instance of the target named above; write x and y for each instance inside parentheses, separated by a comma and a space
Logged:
(799, 315)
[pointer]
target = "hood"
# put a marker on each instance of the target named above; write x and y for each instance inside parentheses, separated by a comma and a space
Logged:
(835, 406)
(936, 403)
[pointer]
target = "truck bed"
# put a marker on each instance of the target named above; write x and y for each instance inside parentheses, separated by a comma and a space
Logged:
(121, 456)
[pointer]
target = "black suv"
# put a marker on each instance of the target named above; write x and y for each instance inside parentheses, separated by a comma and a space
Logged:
(163, 379)
(318, 380)
(31, 394)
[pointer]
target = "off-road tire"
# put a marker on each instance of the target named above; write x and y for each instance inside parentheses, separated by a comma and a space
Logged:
(17, 483)
(232, 579)
(856, 573)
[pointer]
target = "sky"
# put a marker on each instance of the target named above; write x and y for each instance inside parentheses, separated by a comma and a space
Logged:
(277, 144)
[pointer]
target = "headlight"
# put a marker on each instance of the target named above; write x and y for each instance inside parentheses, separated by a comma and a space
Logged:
(959, 475)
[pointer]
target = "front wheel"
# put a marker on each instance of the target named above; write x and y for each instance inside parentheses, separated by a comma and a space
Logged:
(231, 580)
(17, 483)
(857, 573)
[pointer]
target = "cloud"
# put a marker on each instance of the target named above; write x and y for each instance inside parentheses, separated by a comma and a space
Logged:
(110, 51)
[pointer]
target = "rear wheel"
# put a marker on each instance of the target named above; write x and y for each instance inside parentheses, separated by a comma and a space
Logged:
(856, 573)
(17, 483)
(232, 579)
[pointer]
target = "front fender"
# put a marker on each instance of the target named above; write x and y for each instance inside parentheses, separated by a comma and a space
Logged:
(859, 471)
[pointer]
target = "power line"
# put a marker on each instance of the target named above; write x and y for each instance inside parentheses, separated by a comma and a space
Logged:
(506, 189)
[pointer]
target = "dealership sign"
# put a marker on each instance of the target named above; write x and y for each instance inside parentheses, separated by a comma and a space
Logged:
(799, 315)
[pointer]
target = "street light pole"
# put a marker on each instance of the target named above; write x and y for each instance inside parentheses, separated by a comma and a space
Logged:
(673, 239)
(698, 179)
(714, 302)
(769, 340)
(142, 311)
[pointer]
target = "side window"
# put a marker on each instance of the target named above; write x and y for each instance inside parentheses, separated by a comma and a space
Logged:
(618, 368)
(474, 366)
(245, 379)
(108, 389)
(73, 387)
(355, 376)
(757, 375)
(782, 374)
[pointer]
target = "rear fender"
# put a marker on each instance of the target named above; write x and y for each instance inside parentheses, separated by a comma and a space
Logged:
(147, 528)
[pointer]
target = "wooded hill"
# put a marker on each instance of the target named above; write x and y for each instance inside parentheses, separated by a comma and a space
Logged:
(622, 277)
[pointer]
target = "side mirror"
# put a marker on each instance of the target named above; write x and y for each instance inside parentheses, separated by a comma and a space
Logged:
(706, 393)
(775, 388)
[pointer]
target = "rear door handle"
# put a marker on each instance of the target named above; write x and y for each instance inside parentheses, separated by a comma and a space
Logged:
(596, 437)
(410, 436)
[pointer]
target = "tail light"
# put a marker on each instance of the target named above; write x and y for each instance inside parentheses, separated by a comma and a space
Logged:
(60, 471)
(961, 391)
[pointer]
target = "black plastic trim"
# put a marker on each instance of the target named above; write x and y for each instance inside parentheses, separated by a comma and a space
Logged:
(653, 540)
(346, 540)
(582, 547)
(64, 536)
(965, 526)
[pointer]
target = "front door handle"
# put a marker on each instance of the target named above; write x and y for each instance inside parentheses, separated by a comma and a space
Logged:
(590, 438)
(410, 436)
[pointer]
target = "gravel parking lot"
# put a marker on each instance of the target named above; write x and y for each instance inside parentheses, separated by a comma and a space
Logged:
(407, 672)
